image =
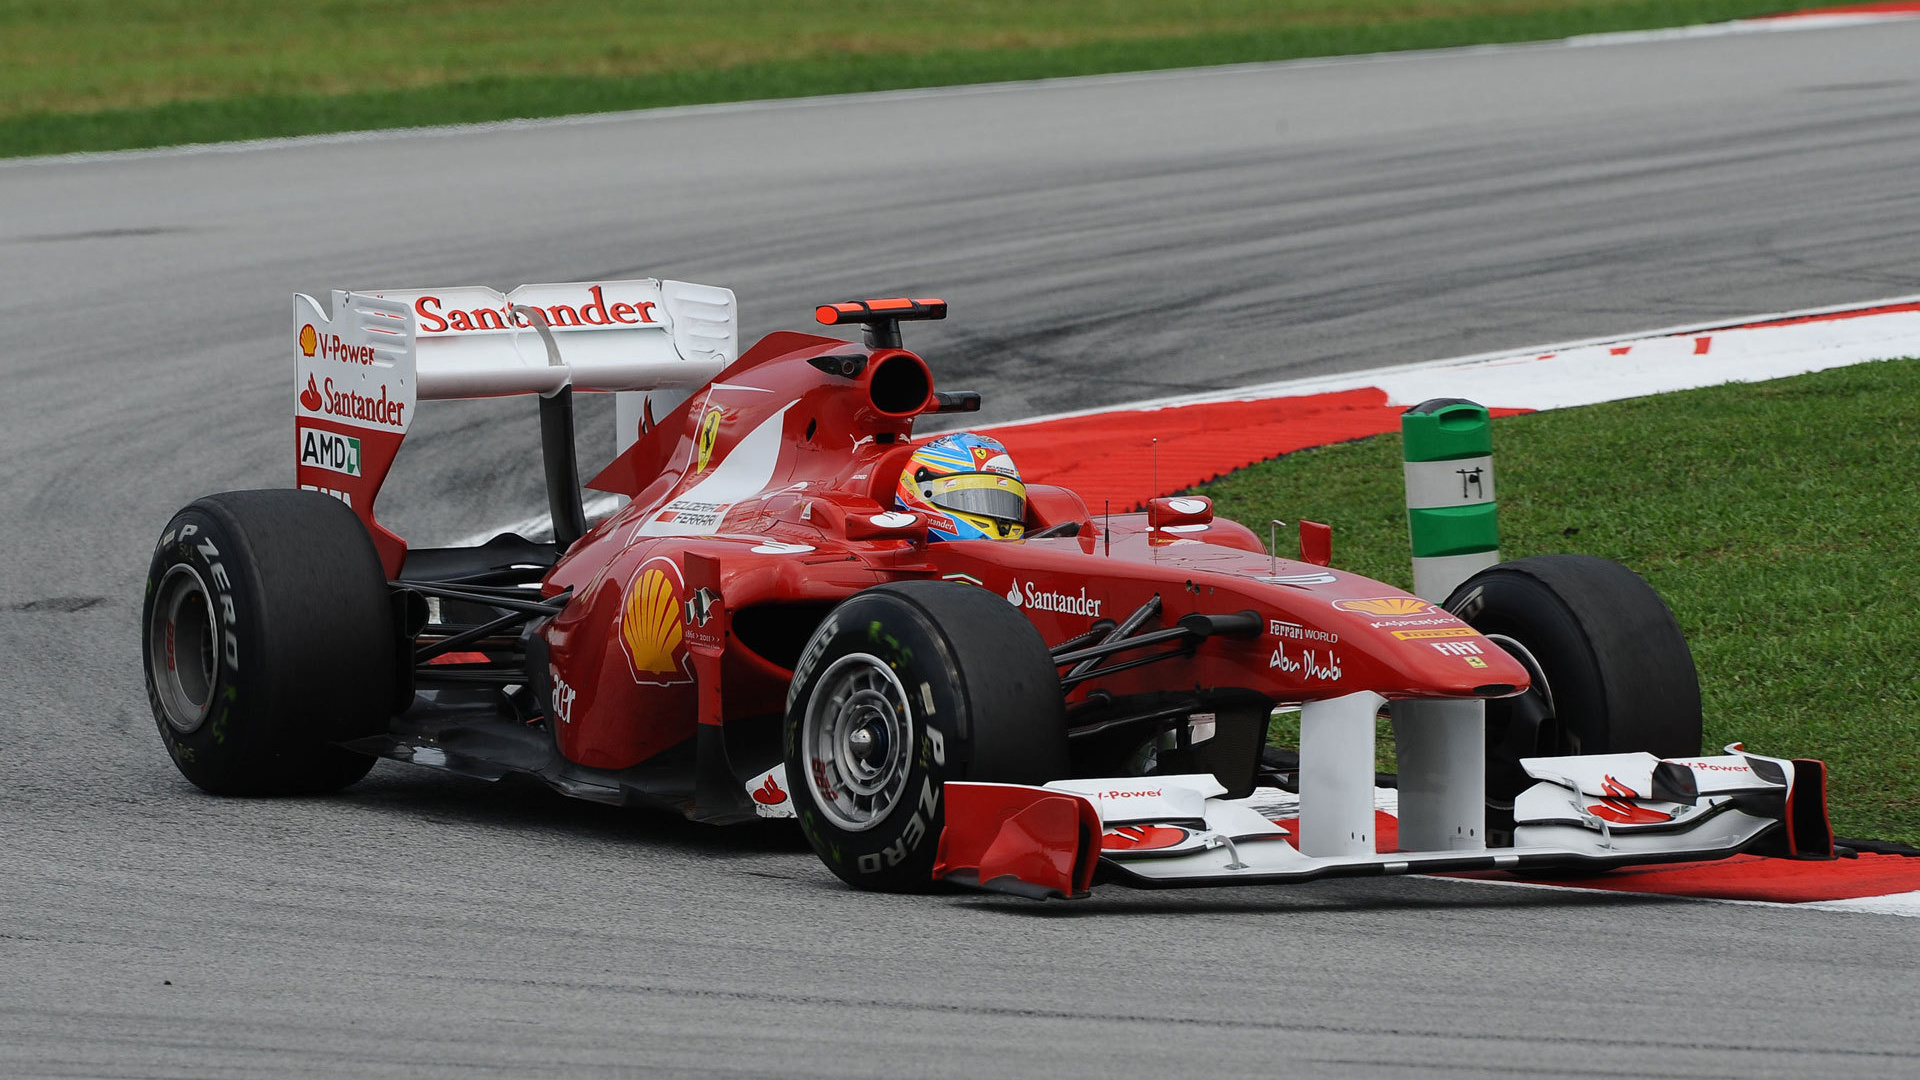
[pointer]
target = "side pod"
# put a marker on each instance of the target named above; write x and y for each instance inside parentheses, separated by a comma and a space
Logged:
(1026, 841)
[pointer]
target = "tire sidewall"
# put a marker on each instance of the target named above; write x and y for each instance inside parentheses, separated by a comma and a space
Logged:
(1617, 665)
(304, 635)
(898, 851)
(197, 540)
(1517, 607)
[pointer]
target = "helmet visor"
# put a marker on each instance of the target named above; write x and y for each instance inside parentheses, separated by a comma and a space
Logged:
(994, 495)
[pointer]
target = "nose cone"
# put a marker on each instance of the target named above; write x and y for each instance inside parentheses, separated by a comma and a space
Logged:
(1423, 650)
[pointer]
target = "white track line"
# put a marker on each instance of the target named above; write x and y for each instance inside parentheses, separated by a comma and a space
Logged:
(1907, 904)
(1741, 357)
(1780, 23)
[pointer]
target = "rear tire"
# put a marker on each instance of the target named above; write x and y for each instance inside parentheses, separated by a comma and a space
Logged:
(902, 688)
(1613, 673)
(267, 636)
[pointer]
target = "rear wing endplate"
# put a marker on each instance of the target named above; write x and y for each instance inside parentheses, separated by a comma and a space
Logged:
(362, 369)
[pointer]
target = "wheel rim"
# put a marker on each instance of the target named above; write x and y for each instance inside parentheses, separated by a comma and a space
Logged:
(1535, 673)
(183, 647)
(858, 736)
(1529, 716)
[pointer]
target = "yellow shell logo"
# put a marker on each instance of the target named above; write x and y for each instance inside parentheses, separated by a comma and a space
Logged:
(1387, 605)
(650, 624)
(309, 340)
(709, 435)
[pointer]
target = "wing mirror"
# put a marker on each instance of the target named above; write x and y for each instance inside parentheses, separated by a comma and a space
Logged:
(1180, 513)
(887, 525)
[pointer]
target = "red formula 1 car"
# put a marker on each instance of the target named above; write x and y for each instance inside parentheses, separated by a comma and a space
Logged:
(761, 630)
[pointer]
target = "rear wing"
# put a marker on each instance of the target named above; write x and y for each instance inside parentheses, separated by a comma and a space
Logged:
(362, 370)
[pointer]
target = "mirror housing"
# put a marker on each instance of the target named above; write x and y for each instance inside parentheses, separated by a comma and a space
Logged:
(1180, 513)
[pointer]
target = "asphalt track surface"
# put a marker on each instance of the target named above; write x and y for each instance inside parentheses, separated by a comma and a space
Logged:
(1100, 242)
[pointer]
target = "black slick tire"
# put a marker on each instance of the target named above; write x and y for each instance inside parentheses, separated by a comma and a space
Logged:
(267, 636)
(938, 681)
(1613, 671)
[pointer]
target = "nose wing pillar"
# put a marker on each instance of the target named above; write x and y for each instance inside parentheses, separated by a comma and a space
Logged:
(1336, 775)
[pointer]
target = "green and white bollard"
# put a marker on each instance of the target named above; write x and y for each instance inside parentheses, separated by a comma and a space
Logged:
(1440, 745)
(1452, 518)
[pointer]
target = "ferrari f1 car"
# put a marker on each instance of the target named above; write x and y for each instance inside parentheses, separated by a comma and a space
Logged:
(761, 630)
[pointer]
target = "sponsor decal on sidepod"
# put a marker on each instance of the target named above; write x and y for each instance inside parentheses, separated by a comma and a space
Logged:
(563, 696)
(693, 513)
(1044, 600)
(651, 626)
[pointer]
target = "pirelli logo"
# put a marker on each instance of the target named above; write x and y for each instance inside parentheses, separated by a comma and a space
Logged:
(1428, 635)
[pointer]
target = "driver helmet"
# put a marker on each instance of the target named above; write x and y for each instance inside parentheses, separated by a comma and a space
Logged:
(967, 488)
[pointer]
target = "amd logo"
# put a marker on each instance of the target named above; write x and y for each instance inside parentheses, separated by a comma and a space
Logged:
(330, 450)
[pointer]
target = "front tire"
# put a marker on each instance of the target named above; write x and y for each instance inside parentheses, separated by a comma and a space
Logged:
(1612, 671)
(267, 636)
(902, 688)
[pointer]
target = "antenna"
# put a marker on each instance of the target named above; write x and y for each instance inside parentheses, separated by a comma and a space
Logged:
(1273, 546)
(1156, 468)
(1106, 528)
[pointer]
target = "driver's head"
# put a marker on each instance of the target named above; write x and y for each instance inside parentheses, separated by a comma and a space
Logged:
(967, 487)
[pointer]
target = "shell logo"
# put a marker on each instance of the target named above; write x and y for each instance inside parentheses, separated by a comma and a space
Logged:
(650, 627)
(704, 442)
(1388, 606)
(309, 341)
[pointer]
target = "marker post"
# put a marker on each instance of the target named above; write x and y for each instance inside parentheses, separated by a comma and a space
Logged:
(1440, 745)
(1452, 517)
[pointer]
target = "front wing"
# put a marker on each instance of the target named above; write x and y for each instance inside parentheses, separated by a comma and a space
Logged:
(1588, 813)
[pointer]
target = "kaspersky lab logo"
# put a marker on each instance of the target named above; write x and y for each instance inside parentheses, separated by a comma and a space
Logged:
(330, 450)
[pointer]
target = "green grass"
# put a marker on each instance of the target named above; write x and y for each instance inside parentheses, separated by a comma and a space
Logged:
(1777, 519)
(111, 74)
